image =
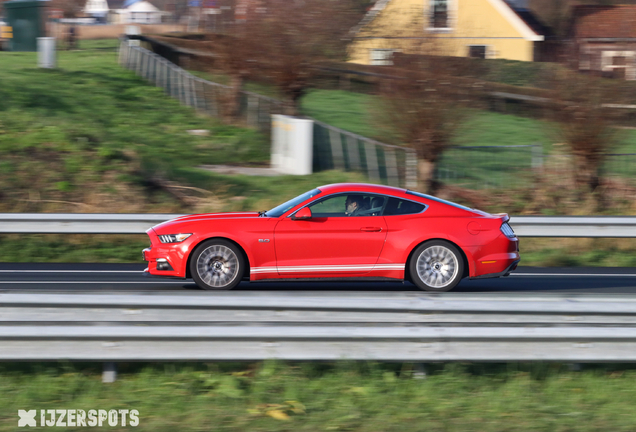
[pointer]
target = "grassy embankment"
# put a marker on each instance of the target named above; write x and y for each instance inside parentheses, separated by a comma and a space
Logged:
(342, 396)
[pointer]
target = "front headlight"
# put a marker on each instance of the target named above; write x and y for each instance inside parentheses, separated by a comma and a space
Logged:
(173, 238)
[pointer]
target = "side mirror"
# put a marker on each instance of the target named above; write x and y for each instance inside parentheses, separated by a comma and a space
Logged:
(302, 214)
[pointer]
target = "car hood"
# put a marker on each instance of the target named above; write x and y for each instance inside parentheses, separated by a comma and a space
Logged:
(204, 217)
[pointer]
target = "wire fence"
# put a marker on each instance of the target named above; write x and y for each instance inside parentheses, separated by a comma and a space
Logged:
(383, 163)
(482, 167)
(203, 95)
(334, 148)
(620, 165)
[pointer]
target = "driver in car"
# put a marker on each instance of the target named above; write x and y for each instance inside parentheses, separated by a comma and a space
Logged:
(354, 205)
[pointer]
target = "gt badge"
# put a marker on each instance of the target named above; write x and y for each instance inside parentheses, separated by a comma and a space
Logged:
(263, 240)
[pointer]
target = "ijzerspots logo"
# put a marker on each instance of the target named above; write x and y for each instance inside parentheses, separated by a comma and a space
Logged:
(78, 418)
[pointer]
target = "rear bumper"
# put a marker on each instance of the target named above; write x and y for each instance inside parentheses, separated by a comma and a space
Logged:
(506, 272)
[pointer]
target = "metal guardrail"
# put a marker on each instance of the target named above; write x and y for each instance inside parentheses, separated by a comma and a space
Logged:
(241, 326)
(524, 226)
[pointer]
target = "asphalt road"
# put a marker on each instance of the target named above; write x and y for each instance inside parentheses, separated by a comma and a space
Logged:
(129, 277)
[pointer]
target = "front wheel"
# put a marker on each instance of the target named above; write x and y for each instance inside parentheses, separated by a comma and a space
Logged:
(436, 266)
(217, 265)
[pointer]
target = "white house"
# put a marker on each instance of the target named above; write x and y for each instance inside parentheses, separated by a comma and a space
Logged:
(136, 12)
(97, 9)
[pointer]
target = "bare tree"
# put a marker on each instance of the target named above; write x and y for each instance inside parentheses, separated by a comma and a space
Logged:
(232, 54)
(424, 109)
(70, 8)
(295, 36)
(584, 124)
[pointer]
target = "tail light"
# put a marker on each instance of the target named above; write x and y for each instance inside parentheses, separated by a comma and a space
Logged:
(507, 230)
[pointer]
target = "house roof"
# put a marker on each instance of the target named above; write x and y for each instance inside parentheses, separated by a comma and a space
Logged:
(531, 21)
(115, 4)
(604, 21)
(515, 10)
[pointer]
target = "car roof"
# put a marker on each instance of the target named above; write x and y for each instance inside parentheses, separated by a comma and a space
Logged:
(361, 187)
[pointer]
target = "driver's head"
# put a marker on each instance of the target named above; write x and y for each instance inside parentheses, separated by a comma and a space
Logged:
(353, 203)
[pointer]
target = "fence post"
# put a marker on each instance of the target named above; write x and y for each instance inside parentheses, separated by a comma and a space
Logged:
(252, 111)
(537, 156)
(145, 66)
(392, 175)
(354, 153)
(215, 101)
(187, 96)
(140, 59)
(155, 74)
(161, 79)
(336, 150)
(411, 168)
(201, 94)
(372, 161)
(121, 56)
(179, 82)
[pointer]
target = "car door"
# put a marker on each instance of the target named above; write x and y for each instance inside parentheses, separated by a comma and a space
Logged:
(331, 243)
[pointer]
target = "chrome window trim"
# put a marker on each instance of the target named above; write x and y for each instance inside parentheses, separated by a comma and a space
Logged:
(426, 206)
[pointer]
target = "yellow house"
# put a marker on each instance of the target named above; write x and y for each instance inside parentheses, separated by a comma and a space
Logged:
(503, 29)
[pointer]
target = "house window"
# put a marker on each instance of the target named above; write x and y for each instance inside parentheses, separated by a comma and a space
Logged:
(477, 51)
(619, 64)
(439, 14)
(382, 57)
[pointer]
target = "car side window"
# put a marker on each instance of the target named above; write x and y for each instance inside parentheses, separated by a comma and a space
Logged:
(329, 207)
(397, 206)
(337, 206)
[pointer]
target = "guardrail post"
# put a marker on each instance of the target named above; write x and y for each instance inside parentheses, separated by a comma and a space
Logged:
(420, 371)
(110, 372)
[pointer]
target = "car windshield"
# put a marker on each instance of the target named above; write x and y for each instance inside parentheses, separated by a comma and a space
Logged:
(281, 209)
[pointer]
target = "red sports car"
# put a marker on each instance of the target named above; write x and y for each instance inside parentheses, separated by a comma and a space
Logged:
(338, 231)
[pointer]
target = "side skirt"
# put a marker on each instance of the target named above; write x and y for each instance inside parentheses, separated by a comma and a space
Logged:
(331, 279)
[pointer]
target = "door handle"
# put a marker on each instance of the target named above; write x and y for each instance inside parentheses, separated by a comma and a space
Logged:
(371, 229)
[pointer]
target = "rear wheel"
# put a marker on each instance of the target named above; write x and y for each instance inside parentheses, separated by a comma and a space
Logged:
(436, 266)
(217, 265)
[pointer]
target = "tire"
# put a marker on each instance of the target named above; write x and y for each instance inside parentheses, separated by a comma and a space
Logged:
(436, 266)
(217, 265)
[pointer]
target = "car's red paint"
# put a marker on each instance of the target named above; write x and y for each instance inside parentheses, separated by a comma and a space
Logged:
(319, 247)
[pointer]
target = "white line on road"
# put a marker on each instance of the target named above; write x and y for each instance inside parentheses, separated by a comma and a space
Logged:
(96, 282)
(576, 274)
(71, 271)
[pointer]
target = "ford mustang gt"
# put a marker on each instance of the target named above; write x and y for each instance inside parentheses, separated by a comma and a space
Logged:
(338, 231)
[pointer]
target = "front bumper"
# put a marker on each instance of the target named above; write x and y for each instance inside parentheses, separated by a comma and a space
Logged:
(167, 259)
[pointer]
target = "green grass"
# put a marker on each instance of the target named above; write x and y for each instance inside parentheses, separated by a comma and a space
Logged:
(90, 125)
(268, 90)
(341, 396)
(90, 136)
